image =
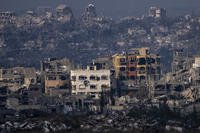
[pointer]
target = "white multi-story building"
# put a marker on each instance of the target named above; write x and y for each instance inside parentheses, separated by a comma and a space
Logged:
(90, 81)
(6, 17)
(157, 12)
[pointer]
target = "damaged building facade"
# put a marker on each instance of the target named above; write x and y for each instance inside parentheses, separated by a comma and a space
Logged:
(91, 81)
(136, 67)
(18, 77)
(55, 76)
(64, 14)
(6, 18)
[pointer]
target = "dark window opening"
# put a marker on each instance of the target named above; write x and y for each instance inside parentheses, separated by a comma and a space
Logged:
(82, 77)
(122, 60)
(122, 68)
(92, 78)
(142, 78)
(132, 69)
(104, 77)
(142, 68)
(151, 60)
(132, 77)
(122, 78)
(92, 86)
(142, 61)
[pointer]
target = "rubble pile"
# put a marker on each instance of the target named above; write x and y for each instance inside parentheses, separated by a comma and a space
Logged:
(34, 120)
(36, 124)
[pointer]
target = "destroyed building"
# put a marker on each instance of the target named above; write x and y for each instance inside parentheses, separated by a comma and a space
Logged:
(181, 86)
(103, 63)
(55, 76)
(181, 60)
(136, 67)
(64, 14)
(89, 14)
(18, 77)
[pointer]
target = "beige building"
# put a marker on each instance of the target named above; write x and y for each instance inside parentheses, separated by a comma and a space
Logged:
(57, 84)
(90, 81)
(18, 77)
(55, 76)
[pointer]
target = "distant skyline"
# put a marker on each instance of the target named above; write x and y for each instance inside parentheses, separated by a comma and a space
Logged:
(110, 8)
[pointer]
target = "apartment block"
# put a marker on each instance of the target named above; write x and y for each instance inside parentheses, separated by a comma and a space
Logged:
(91, 81)
(137, 66)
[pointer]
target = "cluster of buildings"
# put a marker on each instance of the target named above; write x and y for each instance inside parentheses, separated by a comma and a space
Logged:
(47, 30)
(180, 86)
(104, 78)
(103, 83)
(114, 82)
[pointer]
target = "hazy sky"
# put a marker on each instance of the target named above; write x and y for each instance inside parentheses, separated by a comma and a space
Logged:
(112, 8)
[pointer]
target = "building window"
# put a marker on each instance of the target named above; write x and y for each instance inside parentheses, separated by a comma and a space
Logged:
(81, 77)
(122, 69)
(122, 78)
(51, 78)
(81, 93)
(62, 77)
(104, 77)
(151, 60)
(142, 61)
(122, 60)
(142, 68)
(158, 60)
(122, 64)
(92, 86)
(92, 77)
(132, 69)
(97, 78)
(104, 86)
(73, 87)
(73, 78)
(153, 71)
(86, 82)
(32, 81)
(82, 87)
(91, 68)
(142, 77)
(158, 70)
(132, 77)
(132, 60)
